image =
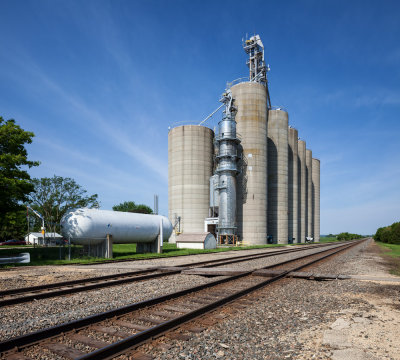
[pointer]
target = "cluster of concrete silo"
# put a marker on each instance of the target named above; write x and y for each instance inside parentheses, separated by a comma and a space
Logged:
(277, 182)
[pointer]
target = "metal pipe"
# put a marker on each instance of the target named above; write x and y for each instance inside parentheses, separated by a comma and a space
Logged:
(219, 107)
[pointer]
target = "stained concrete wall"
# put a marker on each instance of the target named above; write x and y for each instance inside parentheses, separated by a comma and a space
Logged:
(309, 228)
(251, 118)
(293, 203)
(190, 165)
(278, 176)
(316, 198)
(302, 190)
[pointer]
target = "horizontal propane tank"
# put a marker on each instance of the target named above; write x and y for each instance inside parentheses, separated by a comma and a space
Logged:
(91, 226)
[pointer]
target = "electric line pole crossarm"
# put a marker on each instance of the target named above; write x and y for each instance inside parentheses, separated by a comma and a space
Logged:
(40, 217)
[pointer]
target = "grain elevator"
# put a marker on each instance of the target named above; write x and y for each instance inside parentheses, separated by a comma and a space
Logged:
(250, 181)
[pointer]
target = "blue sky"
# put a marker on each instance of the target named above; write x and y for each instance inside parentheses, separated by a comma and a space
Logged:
(99, 82)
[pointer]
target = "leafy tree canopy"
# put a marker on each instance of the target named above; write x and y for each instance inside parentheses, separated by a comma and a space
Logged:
(15, 184)
(389, 234)
(53, 197)
(348, 236)
(14, 181)
(130, 206)
(13, 225)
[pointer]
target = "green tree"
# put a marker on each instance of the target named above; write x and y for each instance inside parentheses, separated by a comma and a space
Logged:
(13, 225)
(14, 181)
(53, 197)
(348, 236)
(389, 234)
(130, 206)
(15, 185)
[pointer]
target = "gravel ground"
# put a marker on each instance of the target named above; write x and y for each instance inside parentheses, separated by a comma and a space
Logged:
(293, 319)
(180, 260)
(38, 275)
(24, 318)
(303, 319)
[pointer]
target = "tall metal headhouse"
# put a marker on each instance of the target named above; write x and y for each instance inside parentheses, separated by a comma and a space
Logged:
(253, 181)
(227, 158)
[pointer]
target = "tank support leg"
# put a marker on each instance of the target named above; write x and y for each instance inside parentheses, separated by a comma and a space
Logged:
(109, 249)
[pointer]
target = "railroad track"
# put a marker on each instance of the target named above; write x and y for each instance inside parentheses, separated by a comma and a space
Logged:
(130, 326)
(26, 294)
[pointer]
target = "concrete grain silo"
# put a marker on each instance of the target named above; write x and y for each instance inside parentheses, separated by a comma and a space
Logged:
(302, 190)
(309, 229)
(278, 176)
(190, 165)
(293, 203)
(316, 198)
(276, 180)
(251, 118)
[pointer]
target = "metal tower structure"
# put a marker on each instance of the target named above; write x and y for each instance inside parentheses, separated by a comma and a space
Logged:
(256, 62)
(227, 158)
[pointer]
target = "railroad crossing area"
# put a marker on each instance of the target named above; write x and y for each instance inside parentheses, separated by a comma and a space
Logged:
(320, 301)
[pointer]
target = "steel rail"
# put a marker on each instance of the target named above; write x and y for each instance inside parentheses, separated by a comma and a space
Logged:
(113, 261)
(121, 346)
(128, 277)
(45, 334)
(106, 277)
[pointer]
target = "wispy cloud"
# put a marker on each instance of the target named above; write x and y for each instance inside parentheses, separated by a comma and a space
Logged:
(78, 157)
(74, 171)
(55, 144)
(366, 217)
(97, 123)
(379, 97)
(360, 97)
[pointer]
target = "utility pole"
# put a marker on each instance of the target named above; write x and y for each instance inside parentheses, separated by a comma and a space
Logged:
(39, 216)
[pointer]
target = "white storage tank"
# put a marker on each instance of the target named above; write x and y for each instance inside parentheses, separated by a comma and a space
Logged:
(84, 226)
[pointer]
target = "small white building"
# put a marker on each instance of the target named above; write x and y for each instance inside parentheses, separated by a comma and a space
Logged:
(37, 238)
(196, 241)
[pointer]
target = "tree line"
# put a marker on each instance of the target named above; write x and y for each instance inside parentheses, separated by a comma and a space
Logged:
(389, 234)
(348, 236)
(51, 197)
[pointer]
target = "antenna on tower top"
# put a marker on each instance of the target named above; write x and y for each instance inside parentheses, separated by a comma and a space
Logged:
(256, 62)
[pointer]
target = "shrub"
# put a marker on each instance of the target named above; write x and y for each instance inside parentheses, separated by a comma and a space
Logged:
(389, 234)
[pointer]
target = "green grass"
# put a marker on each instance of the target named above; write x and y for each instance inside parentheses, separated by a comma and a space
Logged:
(394, 249)
(15, 246)
(326, 239)
(392, 253)
(51, 255)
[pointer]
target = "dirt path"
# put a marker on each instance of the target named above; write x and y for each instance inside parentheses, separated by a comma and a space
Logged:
(370, 327)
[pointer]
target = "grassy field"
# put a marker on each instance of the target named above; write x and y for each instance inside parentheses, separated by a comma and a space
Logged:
(57, 256)
(391, 252)
(326, 239)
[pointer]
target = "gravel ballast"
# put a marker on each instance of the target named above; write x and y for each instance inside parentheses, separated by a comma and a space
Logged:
(24, 318)
(304, 319)
(293, 319)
